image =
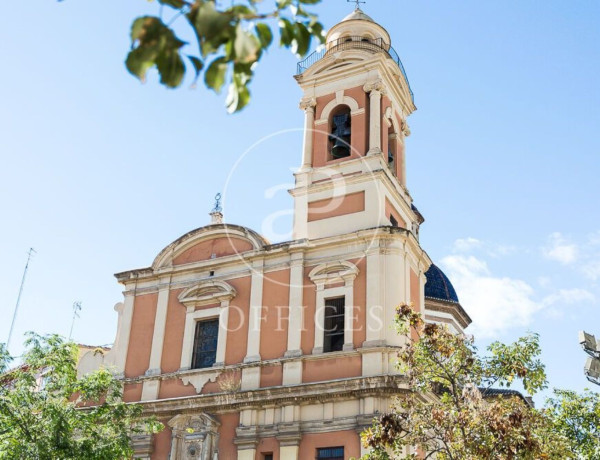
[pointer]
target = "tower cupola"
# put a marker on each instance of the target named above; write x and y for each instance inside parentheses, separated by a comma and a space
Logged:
(357, 28)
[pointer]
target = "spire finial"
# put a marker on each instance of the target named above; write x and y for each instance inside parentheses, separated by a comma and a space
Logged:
(217, 212)
(358, 2)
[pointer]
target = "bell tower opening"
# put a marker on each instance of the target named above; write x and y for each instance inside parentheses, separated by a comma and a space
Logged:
(340, 133)
(391, 153)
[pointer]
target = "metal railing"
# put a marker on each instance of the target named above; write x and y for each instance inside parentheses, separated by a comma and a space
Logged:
(374, 45)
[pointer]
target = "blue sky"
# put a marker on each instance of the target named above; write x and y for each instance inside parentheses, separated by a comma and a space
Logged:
(100, 172)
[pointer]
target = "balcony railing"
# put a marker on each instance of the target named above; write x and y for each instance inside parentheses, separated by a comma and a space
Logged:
(376, 45)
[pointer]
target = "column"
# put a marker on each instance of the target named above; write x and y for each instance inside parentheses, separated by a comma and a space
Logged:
(125, 311)
(376, 322)
(295, 305)
(375, 89)
(160, 322)
(256, 308)
(308, 105)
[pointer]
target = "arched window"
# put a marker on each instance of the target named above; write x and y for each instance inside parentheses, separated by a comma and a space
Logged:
(340, 134)
(392, 149)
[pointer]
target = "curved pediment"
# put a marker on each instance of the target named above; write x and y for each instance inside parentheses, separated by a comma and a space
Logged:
(207, 293)
(333, 272)
(210, 242)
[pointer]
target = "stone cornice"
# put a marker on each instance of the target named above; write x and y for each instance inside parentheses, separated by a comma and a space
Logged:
(306, 393)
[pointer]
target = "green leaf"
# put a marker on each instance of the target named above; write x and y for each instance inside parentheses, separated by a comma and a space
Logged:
(238, 95)
(171, 69)
(174, 3)
(264, 34)
(215, 74)
(246, 46)
(302, 40)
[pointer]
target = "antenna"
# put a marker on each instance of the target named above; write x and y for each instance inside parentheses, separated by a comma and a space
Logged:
(76, 310)
(12, 325)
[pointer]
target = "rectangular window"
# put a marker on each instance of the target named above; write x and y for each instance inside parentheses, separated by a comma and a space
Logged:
(393, 221)
(205, 344)
(334, 324)
(267, 456)
(330, 453)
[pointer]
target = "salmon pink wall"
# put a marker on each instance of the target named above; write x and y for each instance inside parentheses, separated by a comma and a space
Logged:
(415, 290)
(173, 341)
(307, 336)
(174, 388)
(389, 209)
(268, 446)
(274, 325)
(132, 392)
(229, 422)
(360, 303)
(162, 443)
(225, 382)
(140, 337)
(237, 336)
(359, 129)
(218, 246)
(311, 442)
(338, 206)
(271, 376)
(320, 370)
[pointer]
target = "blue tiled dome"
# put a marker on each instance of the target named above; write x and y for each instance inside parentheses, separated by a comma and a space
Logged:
(438, 285)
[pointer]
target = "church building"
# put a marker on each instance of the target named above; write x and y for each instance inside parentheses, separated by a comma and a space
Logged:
(250, 350)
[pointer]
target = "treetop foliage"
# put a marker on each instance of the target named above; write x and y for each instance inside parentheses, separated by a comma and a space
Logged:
(230, 41)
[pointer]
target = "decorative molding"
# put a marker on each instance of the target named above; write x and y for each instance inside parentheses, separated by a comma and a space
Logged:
(333, 272)
(375, 85)
(207, 293)
(308, 103)
(345, 100)
(194, 437)
(200, 379)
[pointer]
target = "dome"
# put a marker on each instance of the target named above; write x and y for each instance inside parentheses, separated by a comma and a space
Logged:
(438, 285)
(359, 15)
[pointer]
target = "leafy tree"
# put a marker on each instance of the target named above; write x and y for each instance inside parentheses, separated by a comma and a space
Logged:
(451, 413)
(47, 412)
(229, 41)
(577, 417)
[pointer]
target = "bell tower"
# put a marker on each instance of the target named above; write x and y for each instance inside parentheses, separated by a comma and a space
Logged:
(356, 100)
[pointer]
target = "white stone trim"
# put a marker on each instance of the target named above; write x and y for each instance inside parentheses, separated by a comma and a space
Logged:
(295, 319)
(191, 318)
(255, 314)
(332, 273)
(331, 105)
(207, 293)
(160, 321)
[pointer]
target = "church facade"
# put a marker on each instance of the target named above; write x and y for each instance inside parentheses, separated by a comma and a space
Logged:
(256, 351)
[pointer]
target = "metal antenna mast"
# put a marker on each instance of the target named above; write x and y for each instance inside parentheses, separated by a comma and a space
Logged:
(12, 325)
(76, 310)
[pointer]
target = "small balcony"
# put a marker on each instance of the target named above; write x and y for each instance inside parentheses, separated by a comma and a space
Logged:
(373, 45)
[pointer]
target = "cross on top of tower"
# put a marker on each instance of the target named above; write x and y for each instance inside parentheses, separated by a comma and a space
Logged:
(358, 2)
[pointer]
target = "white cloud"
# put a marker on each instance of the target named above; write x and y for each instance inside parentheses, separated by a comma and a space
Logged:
(494, 303)
(560, 249)
(569, 297)
(470, 245)
(466, 244)
(591, 269)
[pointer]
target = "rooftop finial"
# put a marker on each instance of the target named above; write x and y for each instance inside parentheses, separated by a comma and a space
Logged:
(217, 212)
(358, 2)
